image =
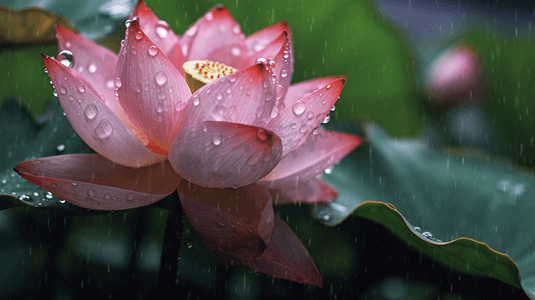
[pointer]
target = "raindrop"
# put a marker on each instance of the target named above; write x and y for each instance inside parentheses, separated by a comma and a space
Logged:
(299, 108)
(118, 82)
(92, 68)
(274, 112)
(418, 229)
(104, 129)
(49, 195)
(161, 78)
(303, 128)
(228, 90)
(219, 96)
(159, 108)
(235, 51)
(74, 184)
(60, 147)
(328, 86)
(262, 134)
(35, 194)
(162, 29)
(25, 198)
(90, 112)
(4, 181)
(189, 243)
(153, 50)
(46, 71)
(130, 196)
(109, 84)
(327, 119)
(127, 23)
(55, 93)
(204, 128)
(316, 130)
(427, 234)
(221, 222)
(333, 108)
(216, 139)
(196, 100)
(324, 215)
(66, 58)
(286, 54)
(139, 35)
(310, 115)
(293, 125)
(232, 79)
(62, 90)
(209, 16)
(261, 60)
(81, 88)
(284, 73)
(236, 29)
(91, 193)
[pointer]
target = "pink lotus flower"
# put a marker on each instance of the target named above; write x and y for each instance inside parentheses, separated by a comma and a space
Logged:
(229, 148)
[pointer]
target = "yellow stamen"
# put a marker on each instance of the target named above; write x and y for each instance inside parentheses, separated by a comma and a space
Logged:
(199, 73)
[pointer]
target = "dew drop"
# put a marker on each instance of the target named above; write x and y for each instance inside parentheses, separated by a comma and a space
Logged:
(209, 16)
(61, 201)
(219, 96)
(299, 108)
(104, 129)
(159, 108)
(236, 29)
(153, 50)
(161, 78)
(228, 90)
(316, 130)
(284, 73)
(328, 171)
(49, 195)
(196, 100)
(162, 29)
(235, 51)
(109, 84)
(285, 54)
(66, 58)
(63, 90)
(25, 198)
(303, 128)
(92, 68)
(55, 93)
(293, 125)
(90, 112)
(232, 79)
(427, 234)
(81, 88)
(130, 196)
(216, 139)
(74, 183)
(418, 229)
(139, 35)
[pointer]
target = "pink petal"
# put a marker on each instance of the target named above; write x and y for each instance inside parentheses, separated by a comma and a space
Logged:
(280, 51)
(245, 97)
(151, 90)
(221, 154)
(156, 30)
(315, 191)
(235, 223)
(295, 122)
(94, 122)
(302, 89)
(93, 62)
(260, 39)
(319, 152)
(215, 37)
(287, 258)
(176, 57)
(91, 181)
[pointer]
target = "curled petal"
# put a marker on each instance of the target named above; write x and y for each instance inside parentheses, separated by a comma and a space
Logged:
(245, 97)
(295, 122)
(91, 181)
(315, 191)
(94, 122)
(151, 90)
(93, 62)
(280, 51)
(215, 37)
(287, 258)
(319, 152)
(235, 223)
(260, 39)
(221, 154)
(157, 30)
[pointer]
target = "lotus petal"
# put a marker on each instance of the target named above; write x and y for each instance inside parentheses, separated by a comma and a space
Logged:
(94, 122)
(222, 154)
(151, 90)
(287, 258)
(319, 152)
(235, 223)
(91, 181)
(157, 30)
(93, 62)
(245, 97)
(295, 122)
(215, 37)
(315, 191)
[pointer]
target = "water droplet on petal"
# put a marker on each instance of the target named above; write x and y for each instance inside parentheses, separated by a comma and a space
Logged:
(118, 82)
(153, 50)
(196, 100)
(191, 31)
(299, 108)
(328, 171)
(327, 119)
(104, 129)
(262, 134)
(91, 193)
(232, 79)
(219, 96)
(127, 23)
(63, 90)
(285, 54)
(284, 73)
(139, 35)
(81, 88)
(216, 139)
(159, 108)
(162, 29)
(333, 108)
(261, 60)
(161, 78)
(66, 58)
(274, 112)
(303, 128)
(90, 112)
(209, 16)
(221, 222)
(310, 115)
(109, 84)
(92, 68)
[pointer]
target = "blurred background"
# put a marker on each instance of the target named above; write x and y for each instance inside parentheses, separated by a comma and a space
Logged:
(456, 74)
